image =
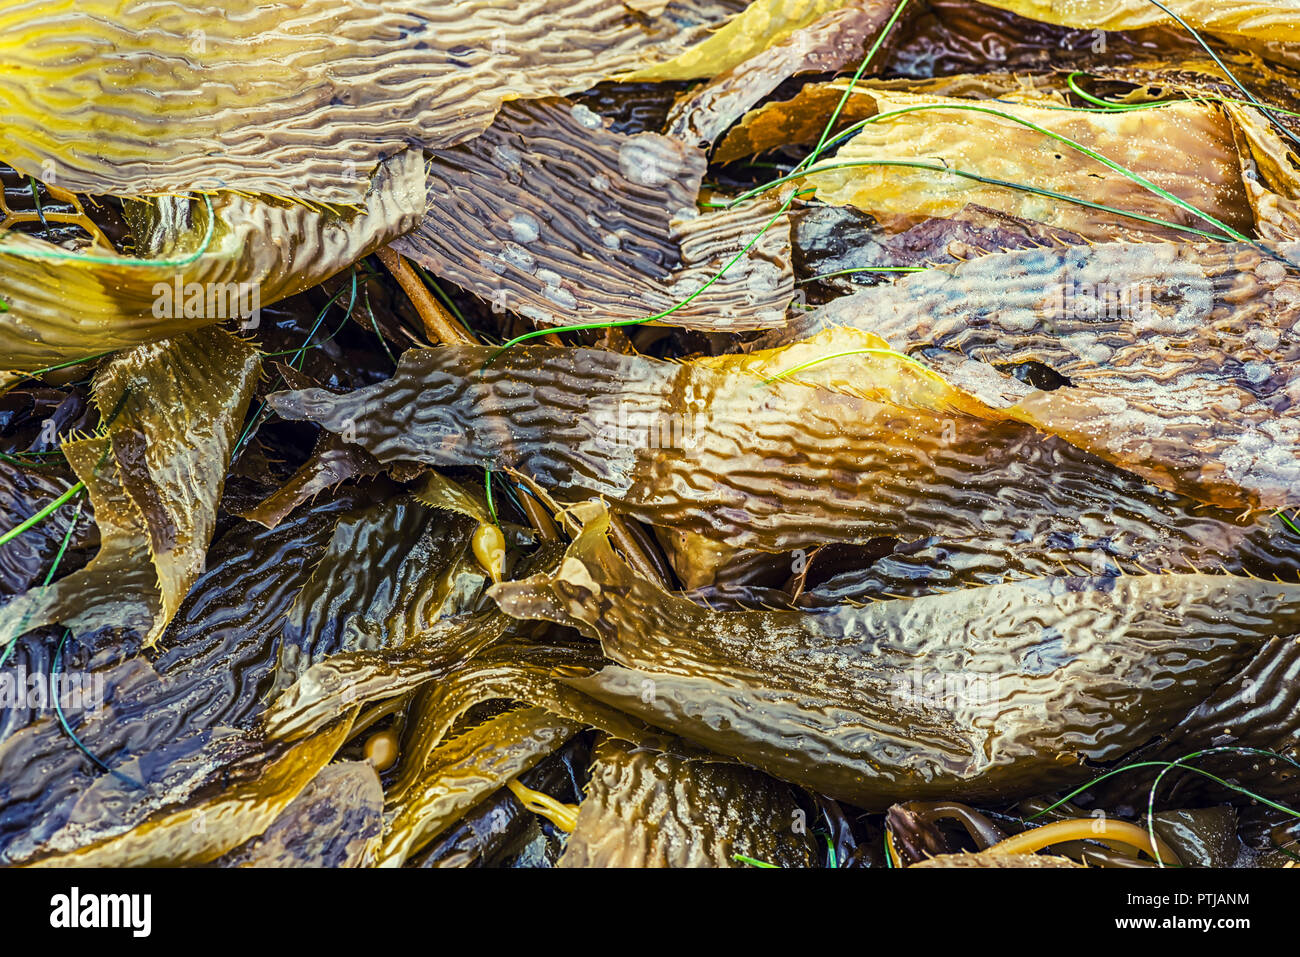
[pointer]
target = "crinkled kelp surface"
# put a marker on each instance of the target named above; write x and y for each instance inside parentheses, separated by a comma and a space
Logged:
(597, 433)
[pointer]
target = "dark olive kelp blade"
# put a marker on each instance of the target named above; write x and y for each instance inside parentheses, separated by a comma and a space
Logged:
(843, 249)
(190, 719)
(187, 796)
(389, 573)
(333, 462)
(24, 493)
(1256, 708)
(257, 791)
(532, 673)
(335, 822)
(352, 678)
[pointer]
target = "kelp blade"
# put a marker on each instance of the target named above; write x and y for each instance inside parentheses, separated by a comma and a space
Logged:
(991, 692)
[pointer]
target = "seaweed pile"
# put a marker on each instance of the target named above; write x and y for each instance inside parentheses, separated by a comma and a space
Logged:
(794, 433)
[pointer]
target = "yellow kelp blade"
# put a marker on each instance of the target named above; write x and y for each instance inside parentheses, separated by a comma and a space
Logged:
(944, 133)
(466, 769)
(297, 99)
(834, 41)
(759, 26)
(800, 120)
(1272, 29)
(647, 809)
(858, 363)
(985, 859)
(154, 475)
(206, 261)
(803, 118)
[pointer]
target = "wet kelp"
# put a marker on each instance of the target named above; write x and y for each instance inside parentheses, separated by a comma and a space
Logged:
(198, 262)
(998, 140)
(713, 447)
(655, 810)
(846, 433)
(368, 79)
(607, 229)
(838, 711)
(1172, 356)
(154, 474)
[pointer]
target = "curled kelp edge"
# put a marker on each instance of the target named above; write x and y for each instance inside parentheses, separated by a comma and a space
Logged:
(206, 261)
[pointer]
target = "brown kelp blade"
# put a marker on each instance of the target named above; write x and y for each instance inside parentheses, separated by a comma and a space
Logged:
(450, 762)
(332, 462)
(218, 655)
(606, 230)
(500, 831)
(802, 119)
(951, 37)
(1177, 358)
(537, 674)
(647, 809)
(868, 445)
(24, 492)
(991, 692)
(1256, 708)
(838, 249)
(348, 678)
